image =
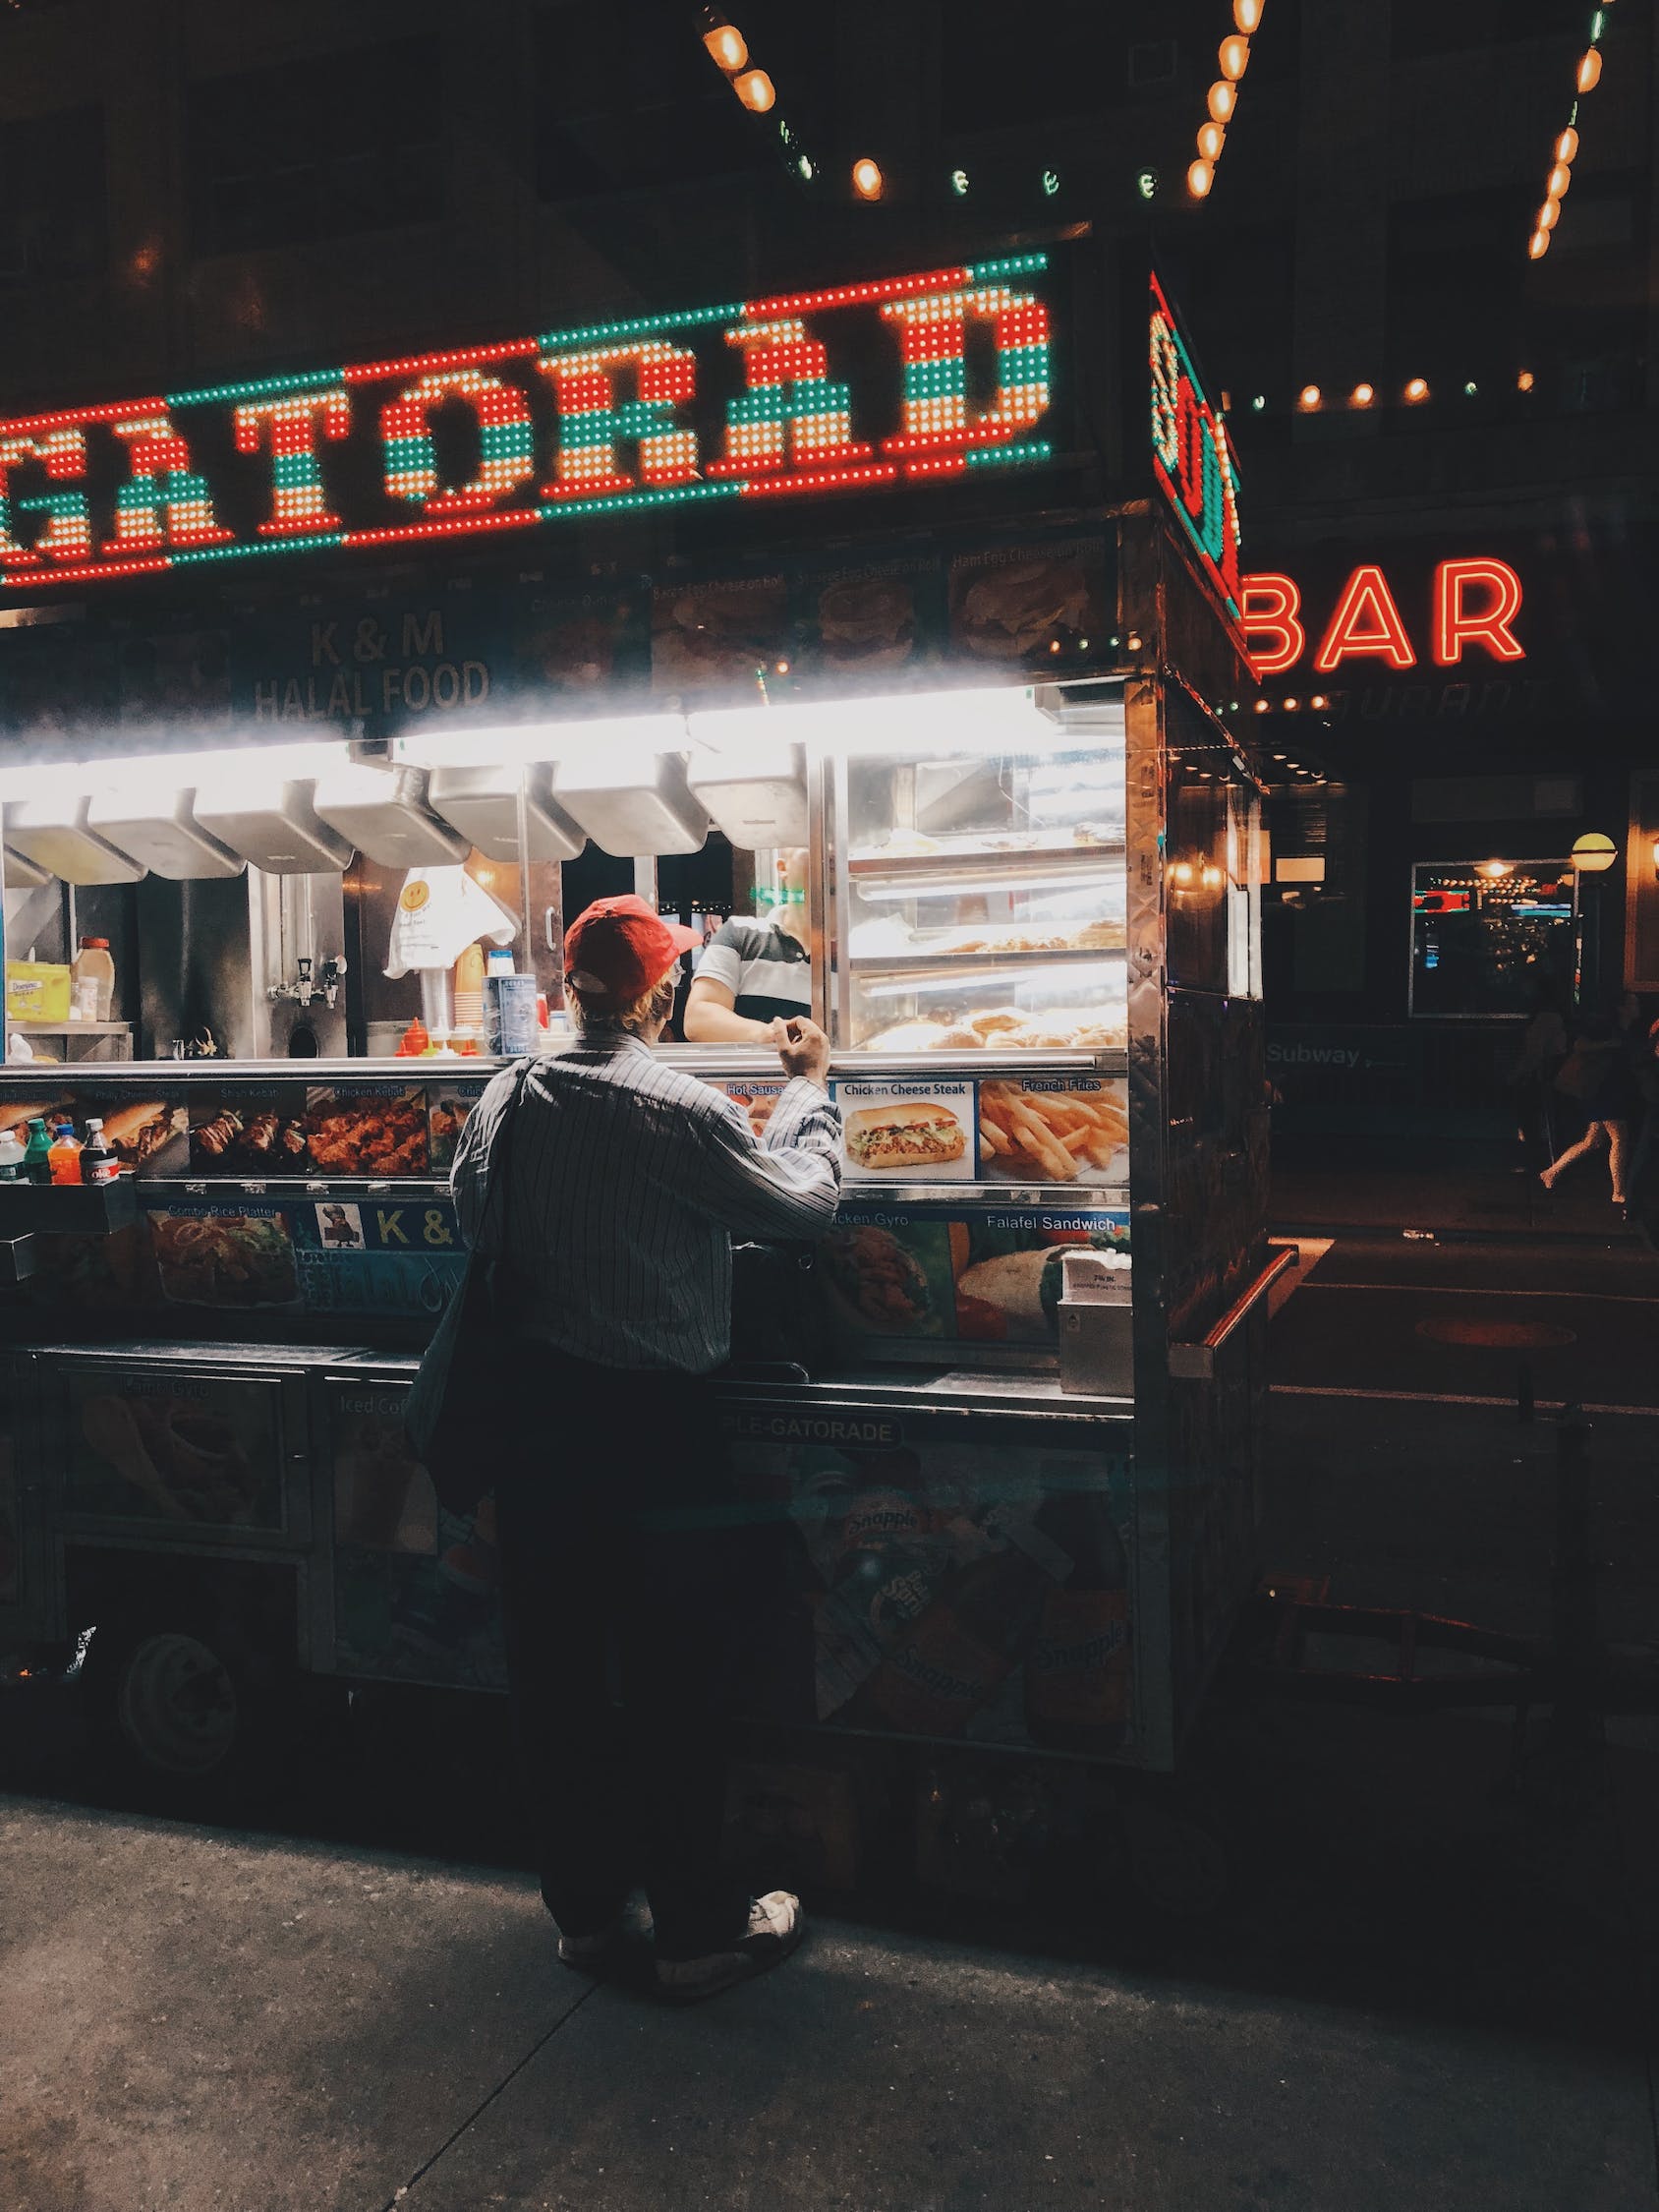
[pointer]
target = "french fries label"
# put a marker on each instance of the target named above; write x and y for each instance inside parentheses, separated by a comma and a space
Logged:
(915, 1131)
(1054, 1129)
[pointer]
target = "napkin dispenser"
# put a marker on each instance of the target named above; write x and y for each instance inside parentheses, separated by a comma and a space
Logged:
(1096, 1316)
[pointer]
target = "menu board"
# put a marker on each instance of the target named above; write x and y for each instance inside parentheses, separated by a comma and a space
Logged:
(1048, 1131)
(964, 1587)
(417, 1589)
(180, 1448)
(989, 1276)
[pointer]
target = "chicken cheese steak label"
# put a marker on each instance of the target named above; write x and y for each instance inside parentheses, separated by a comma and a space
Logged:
(921, 1131)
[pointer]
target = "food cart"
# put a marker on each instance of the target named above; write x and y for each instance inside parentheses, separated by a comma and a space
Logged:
(979, 665)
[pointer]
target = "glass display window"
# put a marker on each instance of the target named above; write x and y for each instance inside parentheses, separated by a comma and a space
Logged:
(983, 896)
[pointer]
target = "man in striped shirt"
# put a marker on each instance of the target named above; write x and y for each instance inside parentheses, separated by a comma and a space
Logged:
(625, 1182)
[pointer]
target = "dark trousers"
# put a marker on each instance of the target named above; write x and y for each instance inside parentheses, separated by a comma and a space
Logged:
(621, 1568)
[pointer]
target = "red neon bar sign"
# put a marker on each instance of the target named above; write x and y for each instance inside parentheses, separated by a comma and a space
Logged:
(536, 431)
(1472, 602)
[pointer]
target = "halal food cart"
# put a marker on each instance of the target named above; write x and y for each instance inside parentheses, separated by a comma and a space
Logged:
(930, 577)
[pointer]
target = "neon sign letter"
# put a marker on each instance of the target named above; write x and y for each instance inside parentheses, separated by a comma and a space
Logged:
(1270, 604)
(1457, 624)
(1366, 624)
(933, 344)
(68, 534)
(162, 485)
(297, 501)
(1190, 456)
(790, 398)
(506, 451)
(591, 423)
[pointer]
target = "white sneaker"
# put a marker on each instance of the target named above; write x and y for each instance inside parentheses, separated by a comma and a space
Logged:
(776, 1925)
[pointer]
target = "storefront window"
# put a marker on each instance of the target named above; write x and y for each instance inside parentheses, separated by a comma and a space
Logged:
(1489, 936)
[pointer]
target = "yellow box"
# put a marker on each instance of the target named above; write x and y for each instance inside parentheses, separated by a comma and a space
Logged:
(36, 991)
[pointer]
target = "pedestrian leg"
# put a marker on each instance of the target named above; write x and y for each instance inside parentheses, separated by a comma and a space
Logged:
(1619, 1147)
(1592, 1140)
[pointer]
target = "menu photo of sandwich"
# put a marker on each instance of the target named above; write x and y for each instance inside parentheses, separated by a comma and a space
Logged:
(758, 1100)
(919, 1132)
(1026, 602)
(865, 619)
(713, 636)
(137, 1131)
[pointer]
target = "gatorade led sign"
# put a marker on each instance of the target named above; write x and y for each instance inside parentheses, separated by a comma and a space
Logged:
(1472, 606)
(1190, 456)
(755, 399)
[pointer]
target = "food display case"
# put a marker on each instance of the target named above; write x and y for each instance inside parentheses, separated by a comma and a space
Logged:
(1020, 1467)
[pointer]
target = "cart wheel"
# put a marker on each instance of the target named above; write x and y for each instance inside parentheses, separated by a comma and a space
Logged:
(1178, 1867)
(178, 1706)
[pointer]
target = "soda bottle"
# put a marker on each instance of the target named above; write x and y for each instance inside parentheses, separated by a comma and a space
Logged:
(1077, 1672)
(38, 1153)
(952, 1661)
(98, 1163)
(64, 1156)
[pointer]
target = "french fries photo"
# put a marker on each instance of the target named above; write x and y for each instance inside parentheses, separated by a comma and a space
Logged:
(1050, 1137)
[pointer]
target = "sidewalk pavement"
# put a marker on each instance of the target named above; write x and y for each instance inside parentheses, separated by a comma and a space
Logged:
(201, 2021)
(1482, 1196)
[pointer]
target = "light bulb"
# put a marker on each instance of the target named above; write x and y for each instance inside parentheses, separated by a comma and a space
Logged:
(1416, 390)
(1363, 394)
(1525, 380)
(867, 179)
(1566, 146)
(1258, 403)
(1547, 216)
(756, 90)
(1538, 245)
(1318, 701)
(1233, 57)
(1211, 138)
(1223, 100)
(1558, 180)
(727, 47)
(1200, 176)
(1307, 400)
(1247, 14)
(1589, 69)
(960, 183)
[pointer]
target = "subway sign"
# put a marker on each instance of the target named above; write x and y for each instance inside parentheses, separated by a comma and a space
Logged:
(910, 379)
(1471, 606)
(1191, 459)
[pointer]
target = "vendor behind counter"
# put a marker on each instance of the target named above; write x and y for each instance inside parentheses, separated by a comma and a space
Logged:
(755, 974)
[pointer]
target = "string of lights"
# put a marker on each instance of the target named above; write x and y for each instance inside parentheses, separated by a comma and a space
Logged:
(1233, 59)
(1414, 391)
(1586, 77)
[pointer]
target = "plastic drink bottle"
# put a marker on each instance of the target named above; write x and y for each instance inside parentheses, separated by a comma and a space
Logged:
(11, 1156)
(37, 1155)
(64, 1157)
(98, 1163)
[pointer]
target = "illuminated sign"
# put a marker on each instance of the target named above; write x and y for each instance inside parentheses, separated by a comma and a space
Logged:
(1471, 603)
(755, 399)
(1190, 456)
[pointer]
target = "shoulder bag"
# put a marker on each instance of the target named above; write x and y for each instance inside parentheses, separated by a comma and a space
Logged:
(468, 1371)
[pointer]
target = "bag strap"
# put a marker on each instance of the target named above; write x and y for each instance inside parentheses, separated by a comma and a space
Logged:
(501, 1150)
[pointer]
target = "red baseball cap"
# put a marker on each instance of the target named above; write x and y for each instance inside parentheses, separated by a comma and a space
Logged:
(617, 950)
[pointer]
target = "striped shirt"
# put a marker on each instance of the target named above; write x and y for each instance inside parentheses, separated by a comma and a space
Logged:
(628, 1181)
(768, 972)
